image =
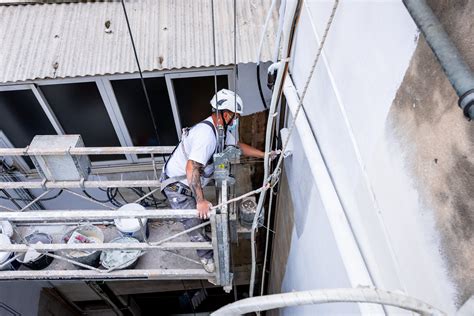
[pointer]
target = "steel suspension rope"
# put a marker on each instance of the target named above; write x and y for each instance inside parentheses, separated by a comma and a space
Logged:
(235, 56)
(141, 74)
(220, 128)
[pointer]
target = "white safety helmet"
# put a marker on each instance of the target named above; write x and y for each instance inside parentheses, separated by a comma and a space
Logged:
(226, 101)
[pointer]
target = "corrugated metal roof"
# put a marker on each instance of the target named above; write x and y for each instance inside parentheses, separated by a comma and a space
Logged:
(70, 40)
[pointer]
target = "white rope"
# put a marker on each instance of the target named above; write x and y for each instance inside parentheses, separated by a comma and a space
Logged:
(89, 199)
(243, 196)
(290, 131)
(267, 237)
(308, 81)
(357, 295)
(35, 200)
(146, 195)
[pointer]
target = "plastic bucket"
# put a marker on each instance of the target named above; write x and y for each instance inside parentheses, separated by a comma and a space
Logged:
(7, 256)
(86, 257)
(41, 261)
(120, 259)
(130, 227)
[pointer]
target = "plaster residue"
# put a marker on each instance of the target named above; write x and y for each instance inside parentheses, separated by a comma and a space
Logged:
(439, 143)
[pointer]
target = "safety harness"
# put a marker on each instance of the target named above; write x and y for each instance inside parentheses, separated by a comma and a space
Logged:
(165, 180)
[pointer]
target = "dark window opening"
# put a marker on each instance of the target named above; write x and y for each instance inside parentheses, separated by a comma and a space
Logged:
(80, 110)
(193, 96)
(22, 118)
(132, 102)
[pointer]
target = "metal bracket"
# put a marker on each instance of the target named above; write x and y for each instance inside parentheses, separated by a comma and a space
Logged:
(222, 162)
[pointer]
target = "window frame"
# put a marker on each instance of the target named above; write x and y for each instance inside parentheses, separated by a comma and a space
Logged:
(46, 109)
(208, 73)
(19, 160)
(109, 99)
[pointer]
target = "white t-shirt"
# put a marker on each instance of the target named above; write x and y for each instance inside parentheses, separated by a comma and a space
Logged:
(200, 146)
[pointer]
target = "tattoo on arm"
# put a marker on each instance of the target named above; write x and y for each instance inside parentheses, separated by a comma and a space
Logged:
(194, 171)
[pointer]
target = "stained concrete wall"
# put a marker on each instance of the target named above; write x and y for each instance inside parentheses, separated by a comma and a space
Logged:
(437, 143)
(380, 156)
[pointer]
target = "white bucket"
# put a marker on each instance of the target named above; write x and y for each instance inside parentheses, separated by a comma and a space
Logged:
(4, 240)
(131, 226)
(6, 256)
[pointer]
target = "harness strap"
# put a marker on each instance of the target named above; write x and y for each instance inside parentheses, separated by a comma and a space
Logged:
(165, 180)
(168, 181)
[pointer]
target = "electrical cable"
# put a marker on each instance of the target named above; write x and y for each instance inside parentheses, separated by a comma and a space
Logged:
(154, 198)
(9, 197)
(121, 196)
(141, 74)
(9, 170)
(112, 194)
(93, 198)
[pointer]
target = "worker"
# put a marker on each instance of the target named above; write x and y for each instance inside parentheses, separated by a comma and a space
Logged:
(190, 166)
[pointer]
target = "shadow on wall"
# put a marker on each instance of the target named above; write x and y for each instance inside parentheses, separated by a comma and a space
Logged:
(438, 143)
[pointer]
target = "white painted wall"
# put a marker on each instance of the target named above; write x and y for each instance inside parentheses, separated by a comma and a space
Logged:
(368, 50)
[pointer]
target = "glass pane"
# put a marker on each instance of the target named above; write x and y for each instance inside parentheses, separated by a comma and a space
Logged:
(80, 110)
(22, 118)
(193, 96)
(132, 102)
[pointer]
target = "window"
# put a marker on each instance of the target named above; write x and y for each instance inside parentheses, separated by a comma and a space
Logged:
(193, 96)
(132, 103)
(110, 111)
(80, 110)
(22, 118)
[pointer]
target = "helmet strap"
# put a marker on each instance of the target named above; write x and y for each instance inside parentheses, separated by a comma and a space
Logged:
(224, 123)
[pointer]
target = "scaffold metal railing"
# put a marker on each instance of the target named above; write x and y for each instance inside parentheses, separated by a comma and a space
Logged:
(218, 221)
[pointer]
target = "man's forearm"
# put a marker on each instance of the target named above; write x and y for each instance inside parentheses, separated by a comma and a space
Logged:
(250, 151)
(193, 174)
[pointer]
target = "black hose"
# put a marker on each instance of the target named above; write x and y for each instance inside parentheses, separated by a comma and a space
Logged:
(95, 199)
(260, 87)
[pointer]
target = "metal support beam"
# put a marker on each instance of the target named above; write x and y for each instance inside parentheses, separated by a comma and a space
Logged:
(105, 246)
(221, 244)
(135, 274)
(80, 184)
(94, 215)
(87, 151)
(101, 289)
(454, 66)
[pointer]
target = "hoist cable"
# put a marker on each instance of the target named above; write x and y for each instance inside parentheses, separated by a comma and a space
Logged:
(220, 128)
(235, 56)
(259, 52)
(141, 74)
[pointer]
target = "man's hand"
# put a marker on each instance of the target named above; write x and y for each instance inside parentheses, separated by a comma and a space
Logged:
(194, 171)
(203, 209)
(274, 154)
